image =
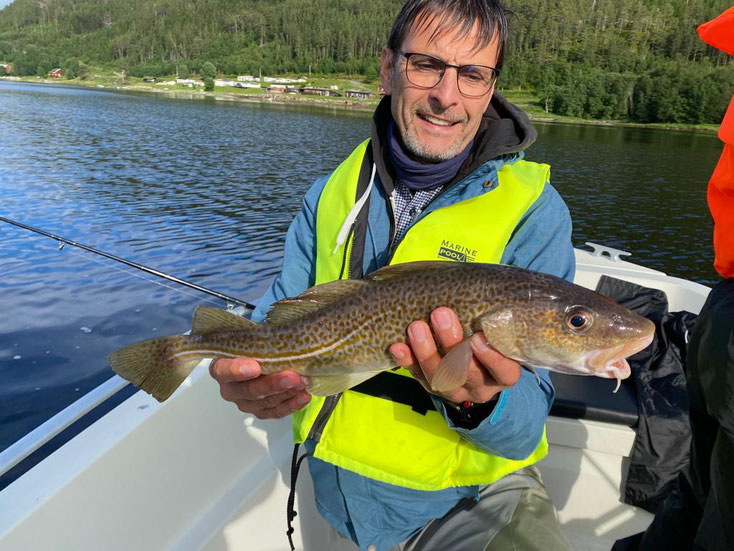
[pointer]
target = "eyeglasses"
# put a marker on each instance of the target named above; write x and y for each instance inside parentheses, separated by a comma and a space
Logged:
(425, 71)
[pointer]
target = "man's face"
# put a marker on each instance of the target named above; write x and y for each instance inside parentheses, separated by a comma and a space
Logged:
(436, 124)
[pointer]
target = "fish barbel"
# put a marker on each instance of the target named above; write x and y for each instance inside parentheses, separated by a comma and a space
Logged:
(337, 334)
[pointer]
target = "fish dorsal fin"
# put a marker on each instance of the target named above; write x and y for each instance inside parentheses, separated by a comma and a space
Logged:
(313, 299)
(398, 270)
(290, 309)
(213, 320)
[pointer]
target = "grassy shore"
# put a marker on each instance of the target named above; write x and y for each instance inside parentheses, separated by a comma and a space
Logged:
(527, 100)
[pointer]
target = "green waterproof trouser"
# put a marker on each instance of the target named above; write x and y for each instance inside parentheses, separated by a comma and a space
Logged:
(513, 514)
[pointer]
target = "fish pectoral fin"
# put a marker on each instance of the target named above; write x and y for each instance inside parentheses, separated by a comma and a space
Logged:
(496, 320)
(453, 368)
(326, 385)
(214, 320)
(500, 327)
(315, 298)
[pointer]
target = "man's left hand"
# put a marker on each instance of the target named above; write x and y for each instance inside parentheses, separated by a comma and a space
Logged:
(489, 371)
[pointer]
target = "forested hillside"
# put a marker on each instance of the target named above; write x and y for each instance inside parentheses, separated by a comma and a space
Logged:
(610, 59)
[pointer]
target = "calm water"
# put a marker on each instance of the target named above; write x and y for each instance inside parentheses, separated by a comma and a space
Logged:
(205, 190)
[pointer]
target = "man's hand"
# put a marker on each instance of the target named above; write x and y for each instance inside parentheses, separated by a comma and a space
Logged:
(265, 396)
(489, 371)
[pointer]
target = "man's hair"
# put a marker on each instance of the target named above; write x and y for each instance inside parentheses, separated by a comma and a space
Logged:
(450, 15)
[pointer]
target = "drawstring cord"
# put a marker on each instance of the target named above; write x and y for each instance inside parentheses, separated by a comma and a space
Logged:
(291, 513)
(356, 209)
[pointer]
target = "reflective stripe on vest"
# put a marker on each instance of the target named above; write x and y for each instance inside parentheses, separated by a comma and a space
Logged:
(382, 439)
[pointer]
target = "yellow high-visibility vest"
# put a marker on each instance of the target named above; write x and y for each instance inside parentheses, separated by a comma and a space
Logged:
(380, 438)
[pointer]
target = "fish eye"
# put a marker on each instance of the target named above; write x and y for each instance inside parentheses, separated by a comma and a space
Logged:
(579, 320)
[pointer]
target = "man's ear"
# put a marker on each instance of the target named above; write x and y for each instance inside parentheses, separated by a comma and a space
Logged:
(386, 65)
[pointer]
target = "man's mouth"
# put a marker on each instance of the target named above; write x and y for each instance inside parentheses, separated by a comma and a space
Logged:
(436, 120)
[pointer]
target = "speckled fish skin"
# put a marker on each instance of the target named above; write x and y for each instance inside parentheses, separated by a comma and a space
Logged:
(347, 327)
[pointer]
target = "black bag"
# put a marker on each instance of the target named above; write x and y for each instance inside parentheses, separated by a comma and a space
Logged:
(663, 429)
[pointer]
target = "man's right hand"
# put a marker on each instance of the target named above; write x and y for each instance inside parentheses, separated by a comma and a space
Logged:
(265, 396)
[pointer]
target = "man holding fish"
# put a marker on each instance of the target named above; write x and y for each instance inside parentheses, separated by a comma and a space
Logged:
(441, 140)
(440, 454)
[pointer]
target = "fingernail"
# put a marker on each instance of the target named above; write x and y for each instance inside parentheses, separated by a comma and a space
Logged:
(442, 319)
(287, 383)
(417, 333)
(398, 354)
(303, 399)
(248, 370)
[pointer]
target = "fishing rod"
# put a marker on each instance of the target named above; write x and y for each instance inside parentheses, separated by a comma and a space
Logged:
(130, 263)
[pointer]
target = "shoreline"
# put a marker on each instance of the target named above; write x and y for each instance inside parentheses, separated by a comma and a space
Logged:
(346, 104)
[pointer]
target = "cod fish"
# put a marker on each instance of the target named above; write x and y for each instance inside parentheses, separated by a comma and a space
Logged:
(337, 334)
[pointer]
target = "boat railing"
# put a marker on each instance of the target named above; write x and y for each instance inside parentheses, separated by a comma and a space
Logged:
(39, 436)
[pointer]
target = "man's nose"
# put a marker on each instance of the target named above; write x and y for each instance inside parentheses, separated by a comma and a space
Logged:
(446, 92)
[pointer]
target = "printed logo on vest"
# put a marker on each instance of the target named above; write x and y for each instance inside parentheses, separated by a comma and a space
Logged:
(456, 252)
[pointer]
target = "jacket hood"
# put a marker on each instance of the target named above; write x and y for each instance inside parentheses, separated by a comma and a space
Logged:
(505, 130)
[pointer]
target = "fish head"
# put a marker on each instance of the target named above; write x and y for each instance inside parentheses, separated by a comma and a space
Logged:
(568, 329)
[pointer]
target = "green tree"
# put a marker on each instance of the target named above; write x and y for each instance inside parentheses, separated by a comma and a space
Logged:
(208, 84)
(579, 54)
(43, 68)
(71, 68)
(370, 72)
(208, 71)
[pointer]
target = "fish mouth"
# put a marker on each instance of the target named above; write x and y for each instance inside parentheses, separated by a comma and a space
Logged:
(612, 362)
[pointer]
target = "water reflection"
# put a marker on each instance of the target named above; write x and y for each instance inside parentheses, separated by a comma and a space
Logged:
(640, 190)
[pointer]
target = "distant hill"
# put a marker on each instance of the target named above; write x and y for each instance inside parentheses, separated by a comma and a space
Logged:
(615, 59)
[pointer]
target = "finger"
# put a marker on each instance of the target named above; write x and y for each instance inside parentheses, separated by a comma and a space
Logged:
(504, 371)
(274, 383)
(227, 370)
(424, 347)
(283, 409)
(447, 327)
(402, 354)
(233, 392)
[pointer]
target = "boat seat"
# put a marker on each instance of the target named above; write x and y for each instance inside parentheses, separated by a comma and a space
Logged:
(593, 399)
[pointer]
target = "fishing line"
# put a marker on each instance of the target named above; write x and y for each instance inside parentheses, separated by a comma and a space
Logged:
(158, 273)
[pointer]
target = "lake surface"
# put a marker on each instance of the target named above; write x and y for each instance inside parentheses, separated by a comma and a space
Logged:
(205, 190)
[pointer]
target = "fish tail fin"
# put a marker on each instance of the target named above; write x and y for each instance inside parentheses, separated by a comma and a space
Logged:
(155, 365)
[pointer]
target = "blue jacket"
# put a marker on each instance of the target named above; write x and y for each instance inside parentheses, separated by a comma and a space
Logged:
(380, 514)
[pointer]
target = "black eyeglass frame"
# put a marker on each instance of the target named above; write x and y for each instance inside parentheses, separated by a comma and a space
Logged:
(408, 55)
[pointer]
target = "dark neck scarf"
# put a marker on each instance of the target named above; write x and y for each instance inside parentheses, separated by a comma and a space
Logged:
(421, 176)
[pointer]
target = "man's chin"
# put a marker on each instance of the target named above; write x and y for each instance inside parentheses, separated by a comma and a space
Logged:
(432, 152)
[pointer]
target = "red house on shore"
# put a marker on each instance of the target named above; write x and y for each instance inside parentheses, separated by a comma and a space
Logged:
(56, 73)
(8, 68)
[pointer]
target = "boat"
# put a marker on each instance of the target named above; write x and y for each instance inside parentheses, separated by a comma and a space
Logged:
(194, 473)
